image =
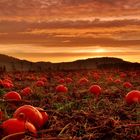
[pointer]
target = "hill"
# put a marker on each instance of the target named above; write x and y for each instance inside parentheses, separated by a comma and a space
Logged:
(9, 63)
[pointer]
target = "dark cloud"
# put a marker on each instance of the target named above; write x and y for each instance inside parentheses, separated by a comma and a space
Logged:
(24, 26)
(72, 33)
(86, 24)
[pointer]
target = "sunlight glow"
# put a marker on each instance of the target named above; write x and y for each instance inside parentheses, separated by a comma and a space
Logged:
(100, 50)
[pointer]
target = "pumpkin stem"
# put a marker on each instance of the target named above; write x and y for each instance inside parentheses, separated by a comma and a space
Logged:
(22, 117)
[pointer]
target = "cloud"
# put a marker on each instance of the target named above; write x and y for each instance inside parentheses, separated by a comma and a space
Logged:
(25, 26)
(52, 41)
(60, 9)
(123, 32)
(77, 54)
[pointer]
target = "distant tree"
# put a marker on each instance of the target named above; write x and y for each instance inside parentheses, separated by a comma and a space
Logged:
(39, 68)
(31, 67)
(21, 63)
(4, 68)
(13, 66)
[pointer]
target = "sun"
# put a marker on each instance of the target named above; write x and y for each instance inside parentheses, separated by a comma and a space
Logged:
(100, 50)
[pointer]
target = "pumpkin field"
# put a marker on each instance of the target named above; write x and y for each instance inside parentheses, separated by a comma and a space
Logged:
(70, 105)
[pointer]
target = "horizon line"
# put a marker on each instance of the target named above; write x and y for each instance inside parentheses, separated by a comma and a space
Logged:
(67, 61)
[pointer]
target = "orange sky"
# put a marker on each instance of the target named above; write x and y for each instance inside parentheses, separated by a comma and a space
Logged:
(66, 30)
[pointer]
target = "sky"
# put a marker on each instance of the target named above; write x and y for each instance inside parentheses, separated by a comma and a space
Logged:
(67, 30)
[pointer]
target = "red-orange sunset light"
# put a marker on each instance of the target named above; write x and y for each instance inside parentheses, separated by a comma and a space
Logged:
(51, 30)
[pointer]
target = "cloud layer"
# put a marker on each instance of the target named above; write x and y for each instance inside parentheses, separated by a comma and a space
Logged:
(48, 9)
(115, 33)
